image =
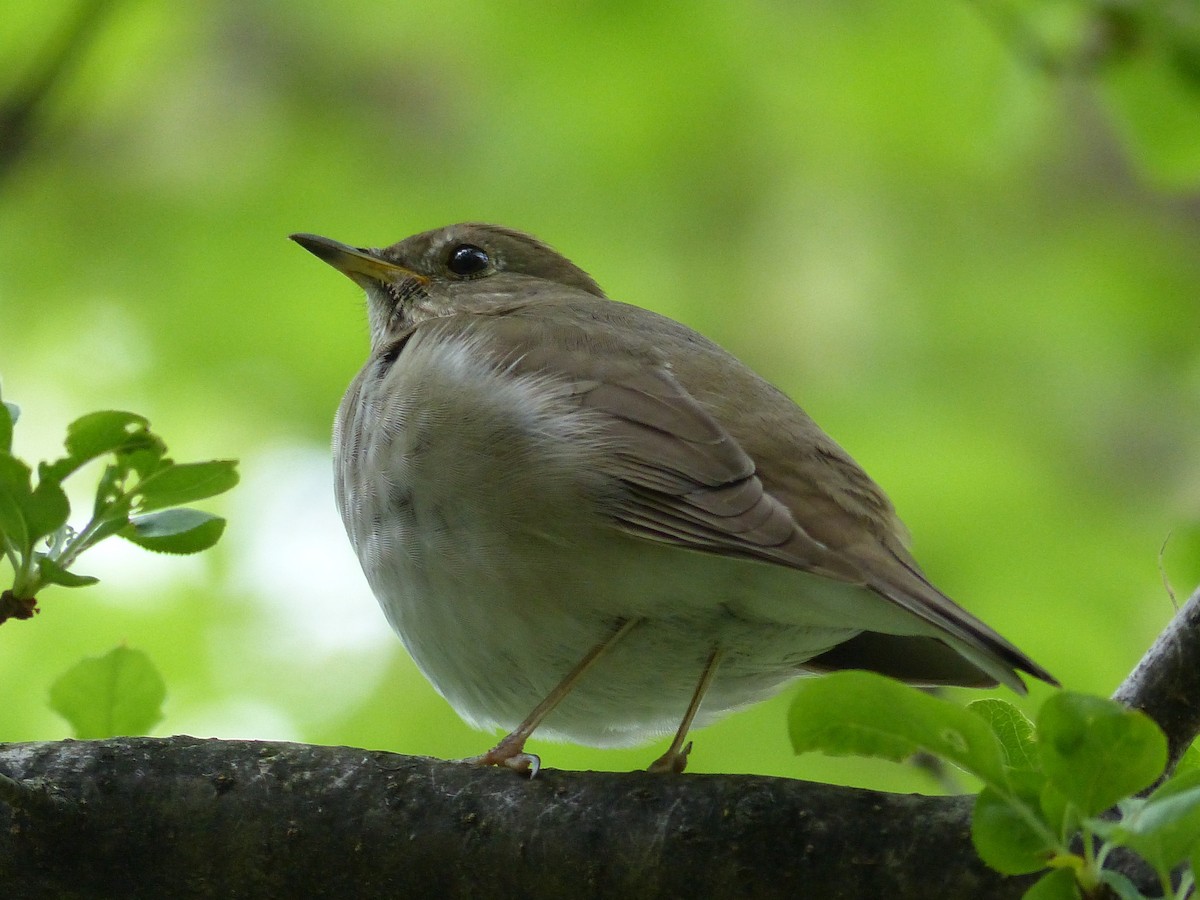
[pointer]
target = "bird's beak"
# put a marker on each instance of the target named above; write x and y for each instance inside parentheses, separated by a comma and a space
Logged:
(362, 266)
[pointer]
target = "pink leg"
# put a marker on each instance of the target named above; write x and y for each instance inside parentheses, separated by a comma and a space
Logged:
(675, 759)
(511, 750)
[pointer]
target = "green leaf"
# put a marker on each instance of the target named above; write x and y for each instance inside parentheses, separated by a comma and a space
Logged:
(1013, 728)
(1120, 885)
(107, 528)
(1007, 833)
(1057, 812)
(120, 693)
(174, 530)
(46, 510)
(25, 514)
(1166, 828)
(109, 489)
(15, 494)
(176, 484)
(97, 433)
(1096, 751)
(1056, 885)
(1189, 762)
(869, 715)
(100, 432)
(53, 573)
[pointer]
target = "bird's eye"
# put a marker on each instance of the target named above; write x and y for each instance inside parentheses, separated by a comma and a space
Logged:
(467, 260)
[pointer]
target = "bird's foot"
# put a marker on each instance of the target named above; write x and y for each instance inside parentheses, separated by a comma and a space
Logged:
(510, 752)
(674, 760)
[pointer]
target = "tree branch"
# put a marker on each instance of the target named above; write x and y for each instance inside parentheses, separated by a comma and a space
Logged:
(1165, 684)
(203, 818)
(186, 817)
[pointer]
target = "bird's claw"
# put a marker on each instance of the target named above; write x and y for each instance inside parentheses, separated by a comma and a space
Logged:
(671, 761)
(526, 763)
(511, 754)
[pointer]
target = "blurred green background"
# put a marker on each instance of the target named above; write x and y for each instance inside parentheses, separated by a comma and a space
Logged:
(977, 269)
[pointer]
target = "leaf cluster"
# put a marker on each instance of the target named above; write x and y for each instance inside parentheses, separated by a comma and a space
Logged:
(140, 497)
(1059, 794)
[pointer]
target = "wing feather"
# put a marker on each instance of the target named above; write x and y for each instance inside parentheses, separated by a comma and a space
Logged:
(693, 481)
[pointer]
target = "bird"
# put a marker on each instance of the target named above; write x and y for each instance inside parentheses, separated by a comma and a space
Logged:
(584, 518)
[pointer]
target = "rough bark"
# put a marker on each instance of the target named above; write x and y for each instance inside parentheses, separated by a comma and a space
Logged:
(1165, 684)
(184, 817)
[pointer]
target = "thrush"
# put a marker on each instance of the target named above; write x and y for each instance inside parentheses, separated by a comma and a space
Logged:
(585, 518)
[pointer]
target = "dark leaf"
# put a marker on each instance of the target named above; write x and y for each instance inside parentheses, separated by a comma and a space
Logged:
(53, 573)
(177, 484)
(175, 530)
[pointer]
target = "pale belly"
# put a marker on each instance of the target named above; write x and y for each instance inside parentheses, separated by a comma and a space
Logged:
(495, 642)
(477, 515)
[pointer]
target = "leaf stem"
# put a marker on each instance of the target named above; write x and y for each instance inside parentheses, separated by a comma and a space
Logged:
(115, 510)
(25, 582)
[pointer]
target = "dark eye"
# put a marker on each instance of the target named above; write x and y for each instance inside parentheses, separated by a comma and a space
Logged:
(467, 259)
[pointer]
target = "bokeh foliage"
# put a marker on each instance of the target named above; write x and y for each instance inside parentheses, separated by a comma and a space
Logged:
(980, 272)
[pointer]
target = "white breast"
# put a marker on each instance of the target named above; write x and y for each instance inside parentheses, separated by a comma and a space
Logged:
(473, 499)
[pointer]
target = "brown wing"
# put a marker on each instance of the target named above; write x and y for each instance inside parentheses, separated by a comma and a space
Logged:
(687, 480)
(707, 485)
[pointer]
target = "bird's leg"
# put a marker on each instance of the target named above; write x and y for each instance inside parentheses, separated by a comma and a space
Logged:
(675, 759)
(511, 749)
